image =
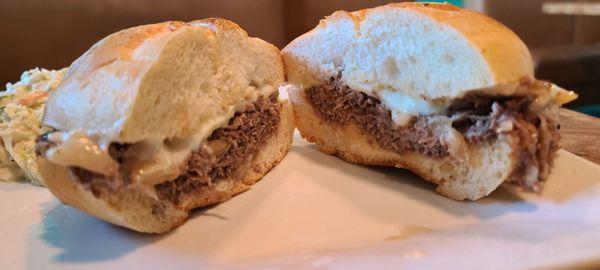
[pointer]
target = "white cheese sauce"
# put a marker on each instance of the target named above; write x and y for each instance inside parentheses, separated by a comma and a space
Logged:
(405, 107)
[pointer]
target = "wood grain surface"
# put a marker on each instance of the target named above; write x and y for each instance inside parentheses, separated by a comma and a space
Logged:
(580, 134)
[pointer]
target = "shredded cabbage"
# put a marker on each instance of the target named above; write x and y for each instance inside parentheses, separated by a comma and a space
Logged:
(21, 111)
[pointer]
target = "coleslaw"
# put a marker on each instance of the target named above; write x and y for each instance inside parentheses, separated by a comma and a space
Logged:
(21, 111)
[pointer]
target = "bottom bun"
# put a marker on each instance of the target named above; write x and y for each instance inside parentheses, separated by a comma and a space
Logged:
(487, 164)
(130, 207)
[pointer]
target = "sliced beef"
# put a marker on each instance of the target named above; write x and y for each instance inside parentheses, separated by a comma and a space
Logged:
(478, 116)
(483, 116)
(338, 104)
(227, 149)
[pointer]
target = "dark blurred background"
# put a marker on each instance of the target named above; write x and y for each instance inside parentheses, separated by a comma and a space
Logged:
(564, 36)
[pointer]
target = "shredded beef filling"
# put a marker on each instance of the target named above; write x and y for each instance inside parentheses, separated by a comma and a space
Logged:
(226, 149)
(338, 104)
(478, 117)
(481, 118)
(230, 146)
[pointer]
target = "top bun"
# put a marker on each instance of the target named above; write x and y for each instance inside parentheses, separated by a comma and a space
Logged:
(421, 50)
(165, 80)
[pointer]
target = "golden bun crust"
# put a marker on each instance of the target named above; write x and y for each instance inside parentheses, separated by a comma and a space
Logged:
(431, 50)
(165, 80)
(133, 209)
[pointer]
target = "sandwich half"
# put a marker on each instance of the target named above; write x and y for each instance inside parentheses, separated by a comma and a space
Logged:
(444, 92)
(156, 120)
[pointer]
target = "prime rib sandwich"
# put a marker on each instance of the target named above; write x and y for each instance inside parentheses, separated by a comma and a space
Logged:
(444, 92)
(156, 120)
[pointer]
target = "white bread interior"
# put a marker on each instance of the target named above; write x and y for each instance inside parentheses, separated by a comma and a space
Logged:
(430, 51)
(166, 80)
(421, 50)
(134, 209)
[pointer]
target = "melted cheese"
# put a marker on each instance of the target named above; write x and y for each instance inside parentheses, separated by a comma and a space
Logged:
(75, 148)
(157, 161)
(149, 162)
(404, 107)
(457, 146)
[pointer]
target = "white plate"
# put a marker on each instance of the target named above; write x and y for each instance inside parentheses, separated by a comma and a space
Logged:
(316, 211)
